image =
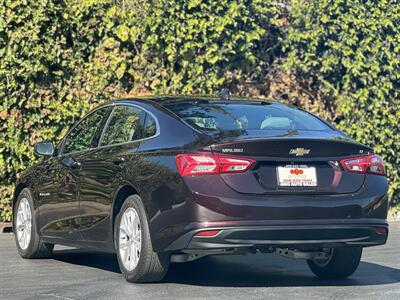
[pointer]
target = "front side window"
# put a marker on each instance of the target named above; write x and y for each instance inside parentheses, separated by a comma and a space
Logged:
(82, 136)
(124, 125)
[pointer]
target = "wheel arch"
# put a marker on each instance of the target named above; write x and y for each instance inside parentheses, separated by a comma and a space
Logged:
(18, 189)
(124, 191)
(20, 186)
(121, 194)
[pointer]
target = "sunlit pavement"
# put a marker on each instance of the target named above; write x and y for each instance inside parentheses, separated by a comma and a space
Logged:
(78, 274)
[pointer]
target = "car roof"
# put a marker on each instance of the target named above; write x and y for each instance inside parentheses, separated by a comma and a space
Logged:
(166, 100)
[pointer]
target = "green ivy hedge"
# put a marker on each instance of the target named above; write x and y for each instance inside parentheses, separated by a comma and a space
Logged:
(351, 50)
(59, 58)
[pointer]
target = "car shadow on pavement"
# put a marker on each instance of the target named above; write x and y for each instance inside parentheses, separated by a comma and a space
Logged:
(271, 271)
(242, 271)
(98, 260)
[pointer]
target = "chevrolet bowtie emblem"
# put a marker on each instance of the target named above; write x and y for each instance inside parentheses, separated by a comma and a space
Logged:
(299, 151)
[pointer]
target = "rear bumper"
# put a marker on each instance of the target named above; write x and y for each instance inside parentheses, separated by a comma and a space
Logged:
(314, 233)
(209, 203)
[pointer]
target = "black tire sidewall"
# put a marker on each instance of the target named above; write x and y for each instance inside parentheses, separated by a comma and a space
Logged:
(344, 263)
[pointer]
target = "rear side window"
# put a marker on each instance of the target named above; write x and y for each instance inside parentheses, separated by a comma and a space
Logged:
(83, 135)
(150, 127)
(241, 116)
(124, 125)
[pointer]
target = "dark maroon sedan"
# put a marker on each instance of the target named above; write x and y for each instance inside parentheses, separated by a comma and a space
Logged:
(173, 179)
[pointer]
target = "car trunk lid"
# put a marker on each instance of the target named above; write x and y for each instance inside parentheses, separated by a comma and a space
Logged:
(286, 165)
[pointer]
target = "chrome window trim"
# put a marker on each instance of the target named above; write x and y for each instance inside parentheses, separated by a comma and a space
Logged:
(112, 145)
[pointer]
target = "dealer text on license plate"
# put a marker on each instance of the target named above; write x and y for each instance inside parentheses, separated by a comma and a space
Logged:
(296, 175)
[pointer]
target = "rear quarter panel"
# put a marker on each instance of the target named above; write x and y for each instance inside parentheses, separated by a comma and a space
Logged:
(153, 173)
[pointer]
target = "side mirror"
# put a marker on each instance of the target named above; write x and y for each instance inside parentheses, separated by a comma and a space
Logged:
(45, 148)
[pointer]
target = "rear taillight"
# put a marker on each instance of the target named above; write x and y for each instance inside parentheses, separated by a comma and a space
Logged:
(207, 164)
(371, 164)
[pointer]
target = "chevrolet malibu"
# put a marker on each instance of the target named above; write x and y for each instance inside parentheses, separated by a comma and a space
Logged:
(173, 179)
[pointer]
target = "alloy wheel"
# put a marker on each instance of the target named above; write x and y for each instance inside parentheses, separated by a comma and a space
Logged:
(130, 239)
(24, 224)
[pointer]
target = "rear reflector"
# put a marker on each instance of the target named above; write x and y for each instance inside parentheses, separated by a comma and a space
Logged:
(207, 164)
(370, 164)
(380, 230)
(208, 233)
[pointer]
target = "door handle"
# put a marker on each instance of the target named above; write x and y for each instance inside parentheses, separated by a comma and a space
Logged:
(119, 161)
(75, 165)
(71, 163)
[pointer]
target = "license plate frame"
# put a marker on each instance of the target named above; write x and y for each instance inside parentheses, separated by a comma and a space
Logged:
(292, 175)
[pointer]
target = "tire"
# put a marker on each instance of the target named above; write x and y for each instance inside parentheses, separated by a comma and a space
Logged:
(144, 265)
(29, 243)
(342, 263)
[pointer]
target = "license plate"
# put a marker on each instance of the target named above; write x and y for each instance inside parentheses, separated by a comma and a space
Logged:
(297, 175)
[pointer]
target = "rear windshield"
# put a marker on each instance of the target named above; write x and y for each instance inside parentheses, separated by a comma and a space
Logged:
(240, 116)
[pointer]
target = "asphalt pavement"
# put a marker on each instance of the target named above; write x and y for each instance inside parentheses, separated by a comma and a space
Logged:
(79, 274)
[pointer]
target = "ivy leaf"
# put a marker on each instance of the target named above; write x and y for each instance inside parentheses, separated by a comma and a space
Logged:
(122, 33)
